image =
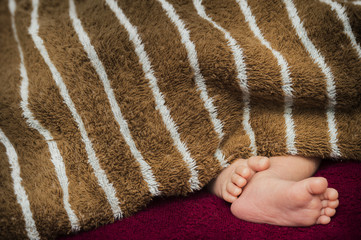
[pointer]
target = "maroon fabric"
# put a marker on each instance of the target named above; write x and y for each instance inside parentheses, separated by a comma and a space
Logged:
(204, 216)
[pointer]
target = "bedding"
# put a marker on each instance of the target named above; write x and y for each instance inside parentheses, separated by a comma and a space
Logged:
(204, 216)
(105, 105)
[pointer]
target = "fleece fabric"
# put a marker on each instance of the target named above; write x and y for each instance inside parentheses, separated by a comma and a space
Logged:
(106, 104)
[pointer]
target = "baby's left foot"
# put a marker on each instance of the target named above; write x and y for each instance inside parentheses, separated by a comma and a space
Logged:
(229, 183)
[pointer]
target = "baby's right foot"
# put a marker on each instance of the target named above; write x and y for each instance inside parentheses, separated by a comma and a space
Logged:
(274, 200)
(230, 182)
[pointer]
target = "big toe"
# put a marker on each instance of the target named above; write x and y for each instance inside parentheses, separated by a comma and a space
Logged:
(258, 163)
(317, 185)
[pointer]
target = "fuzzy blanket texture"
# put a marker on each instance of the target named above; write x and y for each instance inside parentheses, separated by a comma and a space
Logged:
(105, 105)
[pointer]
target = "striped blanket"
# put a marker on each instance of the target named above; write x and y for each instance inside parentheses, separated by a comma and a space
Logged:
(105, 105)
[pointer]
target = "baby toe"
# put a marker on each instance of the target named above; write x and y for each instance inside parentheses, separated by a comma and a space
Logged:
(233, 189)
(244, 171)
(258, 163)
(333, 204)
(331, 194)
(329, 212)
(229, 198)
(323, 220)
(238, 180)
(317, 186)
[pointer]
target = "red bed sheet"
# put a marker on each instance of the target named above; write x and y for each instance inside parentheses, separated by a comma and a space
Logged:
(204, 216)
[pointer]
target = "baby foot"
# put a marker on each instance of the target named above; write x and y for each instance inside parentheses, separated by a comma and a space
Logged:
(229, 183)
(273, 200)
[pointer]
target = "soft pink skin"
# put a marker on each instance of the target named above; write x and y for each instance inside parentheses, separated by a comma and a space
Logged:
(278, 191)
(229, 183)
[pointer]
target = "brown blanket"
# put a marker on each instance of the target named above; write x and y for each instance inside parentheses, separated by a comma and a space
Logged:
(106, 104)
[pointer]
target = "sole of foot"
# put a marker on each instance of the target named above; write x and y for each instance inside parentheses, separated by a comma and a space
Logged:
(272, 200)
